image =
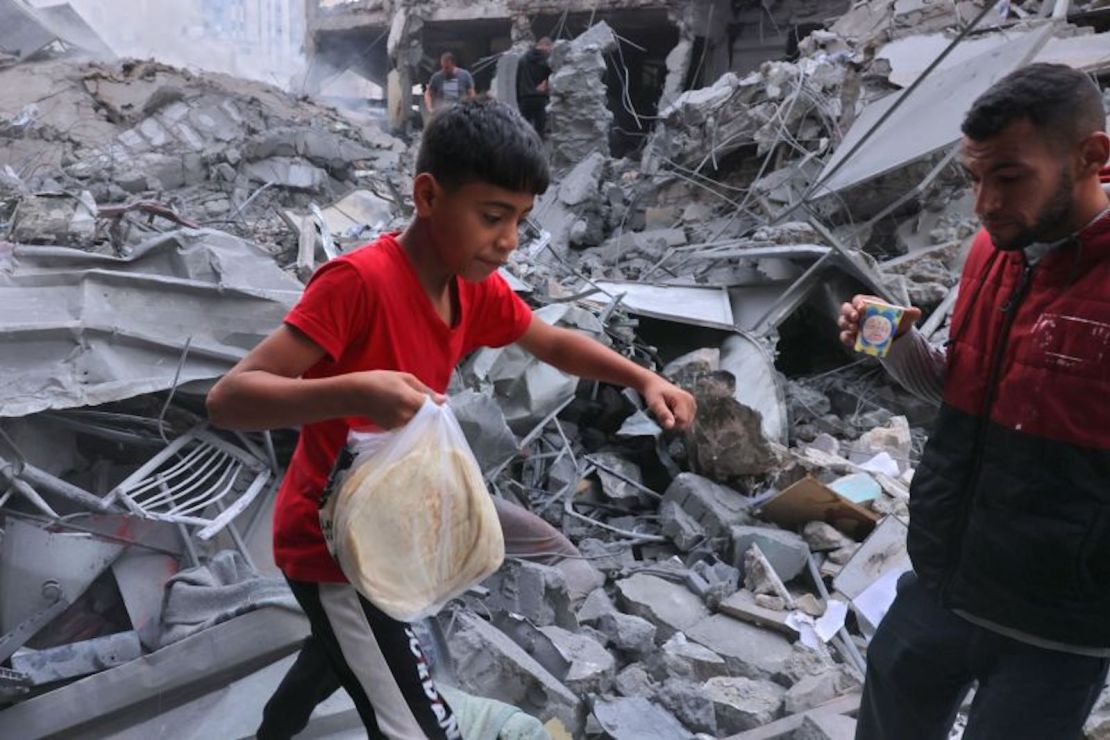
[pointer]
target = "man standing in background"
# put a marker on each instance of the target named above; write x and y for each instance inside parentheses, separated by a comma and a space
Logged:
(448, 86)
(532, 91)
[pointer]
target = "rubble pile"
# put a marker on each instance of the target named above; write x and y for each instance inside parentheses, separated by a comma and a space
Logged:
(214, 149)
(156, 224)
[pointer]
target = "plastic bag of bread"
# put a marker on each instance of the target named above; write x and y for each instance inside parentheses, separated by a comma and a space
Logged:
(407, 516)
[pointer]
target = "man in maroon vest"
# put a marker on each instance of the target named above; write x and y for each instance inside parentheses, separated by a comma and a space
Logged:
(1010, 506)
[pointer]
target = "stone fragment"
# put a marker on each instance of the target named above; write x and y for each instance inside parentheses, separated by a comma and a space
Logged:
(822, 537)
(767, 601)
(726, 441)
(742, 703)
(592, 667)
(786, 551)
(487, 663)
(689, 703)
(842, 555)
(636, 718)
(669, 606)
(683, 529)
(747, 650)
(580, 577)
(685, 659)
(635, 681)
(809, 604)
(715, 507)
(761, 578)
(813, 691)
(826, 726)
(714, 581)
(538, 592)
(615, 487)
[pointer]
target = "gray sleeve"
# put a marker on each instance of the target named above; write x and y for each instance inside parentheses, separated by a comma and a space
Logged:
(467, 80)
(917, 365)
(436, 84)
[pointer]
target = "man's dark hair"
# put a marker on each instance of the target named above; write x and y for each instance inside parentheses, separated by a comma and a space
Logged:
(483, 140)
(446, 57)
(1061, 102)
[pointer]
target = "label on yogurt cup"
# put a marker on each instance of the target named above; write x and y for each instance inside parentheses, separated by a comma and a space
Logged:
(878, 322)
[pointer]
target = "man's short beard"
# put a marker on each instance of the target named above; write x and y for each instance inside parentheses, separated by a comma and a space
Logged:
(1054, 216)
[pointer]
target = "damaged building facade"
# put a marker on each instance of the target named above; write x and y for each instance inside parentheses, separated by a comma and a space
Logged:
(668, 46)
(725, 175)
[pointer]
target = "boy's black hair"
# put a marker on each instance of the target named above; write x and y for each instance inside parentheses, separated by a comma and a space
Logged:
(483, 140)
(1061, 102)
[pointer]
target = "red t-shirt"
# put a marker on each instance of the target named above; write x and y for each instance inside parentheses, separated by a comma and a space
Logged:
(368, 311)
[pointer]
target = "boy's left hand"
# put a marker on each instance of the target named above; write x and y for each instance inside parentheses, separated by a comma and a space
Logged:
(673, 407)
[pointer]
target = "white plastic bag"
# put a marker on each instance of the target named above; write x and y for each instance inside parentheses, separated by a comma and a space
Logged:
(407, 516)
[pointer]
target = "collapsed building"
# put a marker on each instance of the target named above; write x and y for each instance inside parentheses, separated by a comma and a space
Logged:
(158, 223)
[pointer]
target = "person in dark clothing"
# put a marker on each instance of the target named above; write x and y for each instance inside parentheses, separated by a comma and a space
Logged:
(532, 91)
(1010, 506)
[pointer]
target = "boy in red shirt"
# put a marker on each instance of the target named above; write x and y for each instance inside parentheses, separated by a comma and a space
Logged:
(377, 332)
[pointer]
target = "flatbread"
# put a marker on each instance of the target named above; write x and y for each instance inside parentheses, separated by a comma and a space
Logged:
(414, 533)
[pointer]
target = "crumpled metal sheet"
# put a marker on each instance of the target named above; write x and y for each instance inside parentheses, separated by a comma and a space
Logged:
(81, 329)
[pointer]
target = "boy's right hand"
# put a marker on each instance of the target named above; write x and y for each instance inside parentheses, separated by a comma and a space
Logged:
(848, 321)
(388, 398)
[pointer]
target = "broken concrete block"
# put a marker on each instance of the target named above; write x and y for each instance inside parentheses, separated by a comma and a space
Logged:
(606, 557)
(615, 487)
(767, 601)
(682, 528)
(715, 507)
(748, 651)
(713, 581)
(826, 726)
(669, 606)
(581, 183)
(483, 423)
(635, 681)
(624, 631)
(786, 551)
(742, 703)
(581, 578)
(538, 592)
(760, 577)
(488, 663)
(629, 633)
(685, 659)
(813, 691)
(578, 112)
(822, 537)
(809, 604)
(592, 667)
(635, 718)
(596, 606)
(726, 440)
(685, 369)
(689, 703)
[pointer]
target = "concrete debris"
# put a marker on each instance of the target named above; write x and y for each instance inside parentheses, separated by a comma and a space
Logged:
(813, 691)
(579, 115)
(684, 659)
(785, 552)
(714, 507)
(689, 703)
(726, 440)
(636, 718)
(742, 703)
(712, 205)
(488, 663)
(635, 681)
(591, 667)
(670, 607)
(826, 726)
(747, 650)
